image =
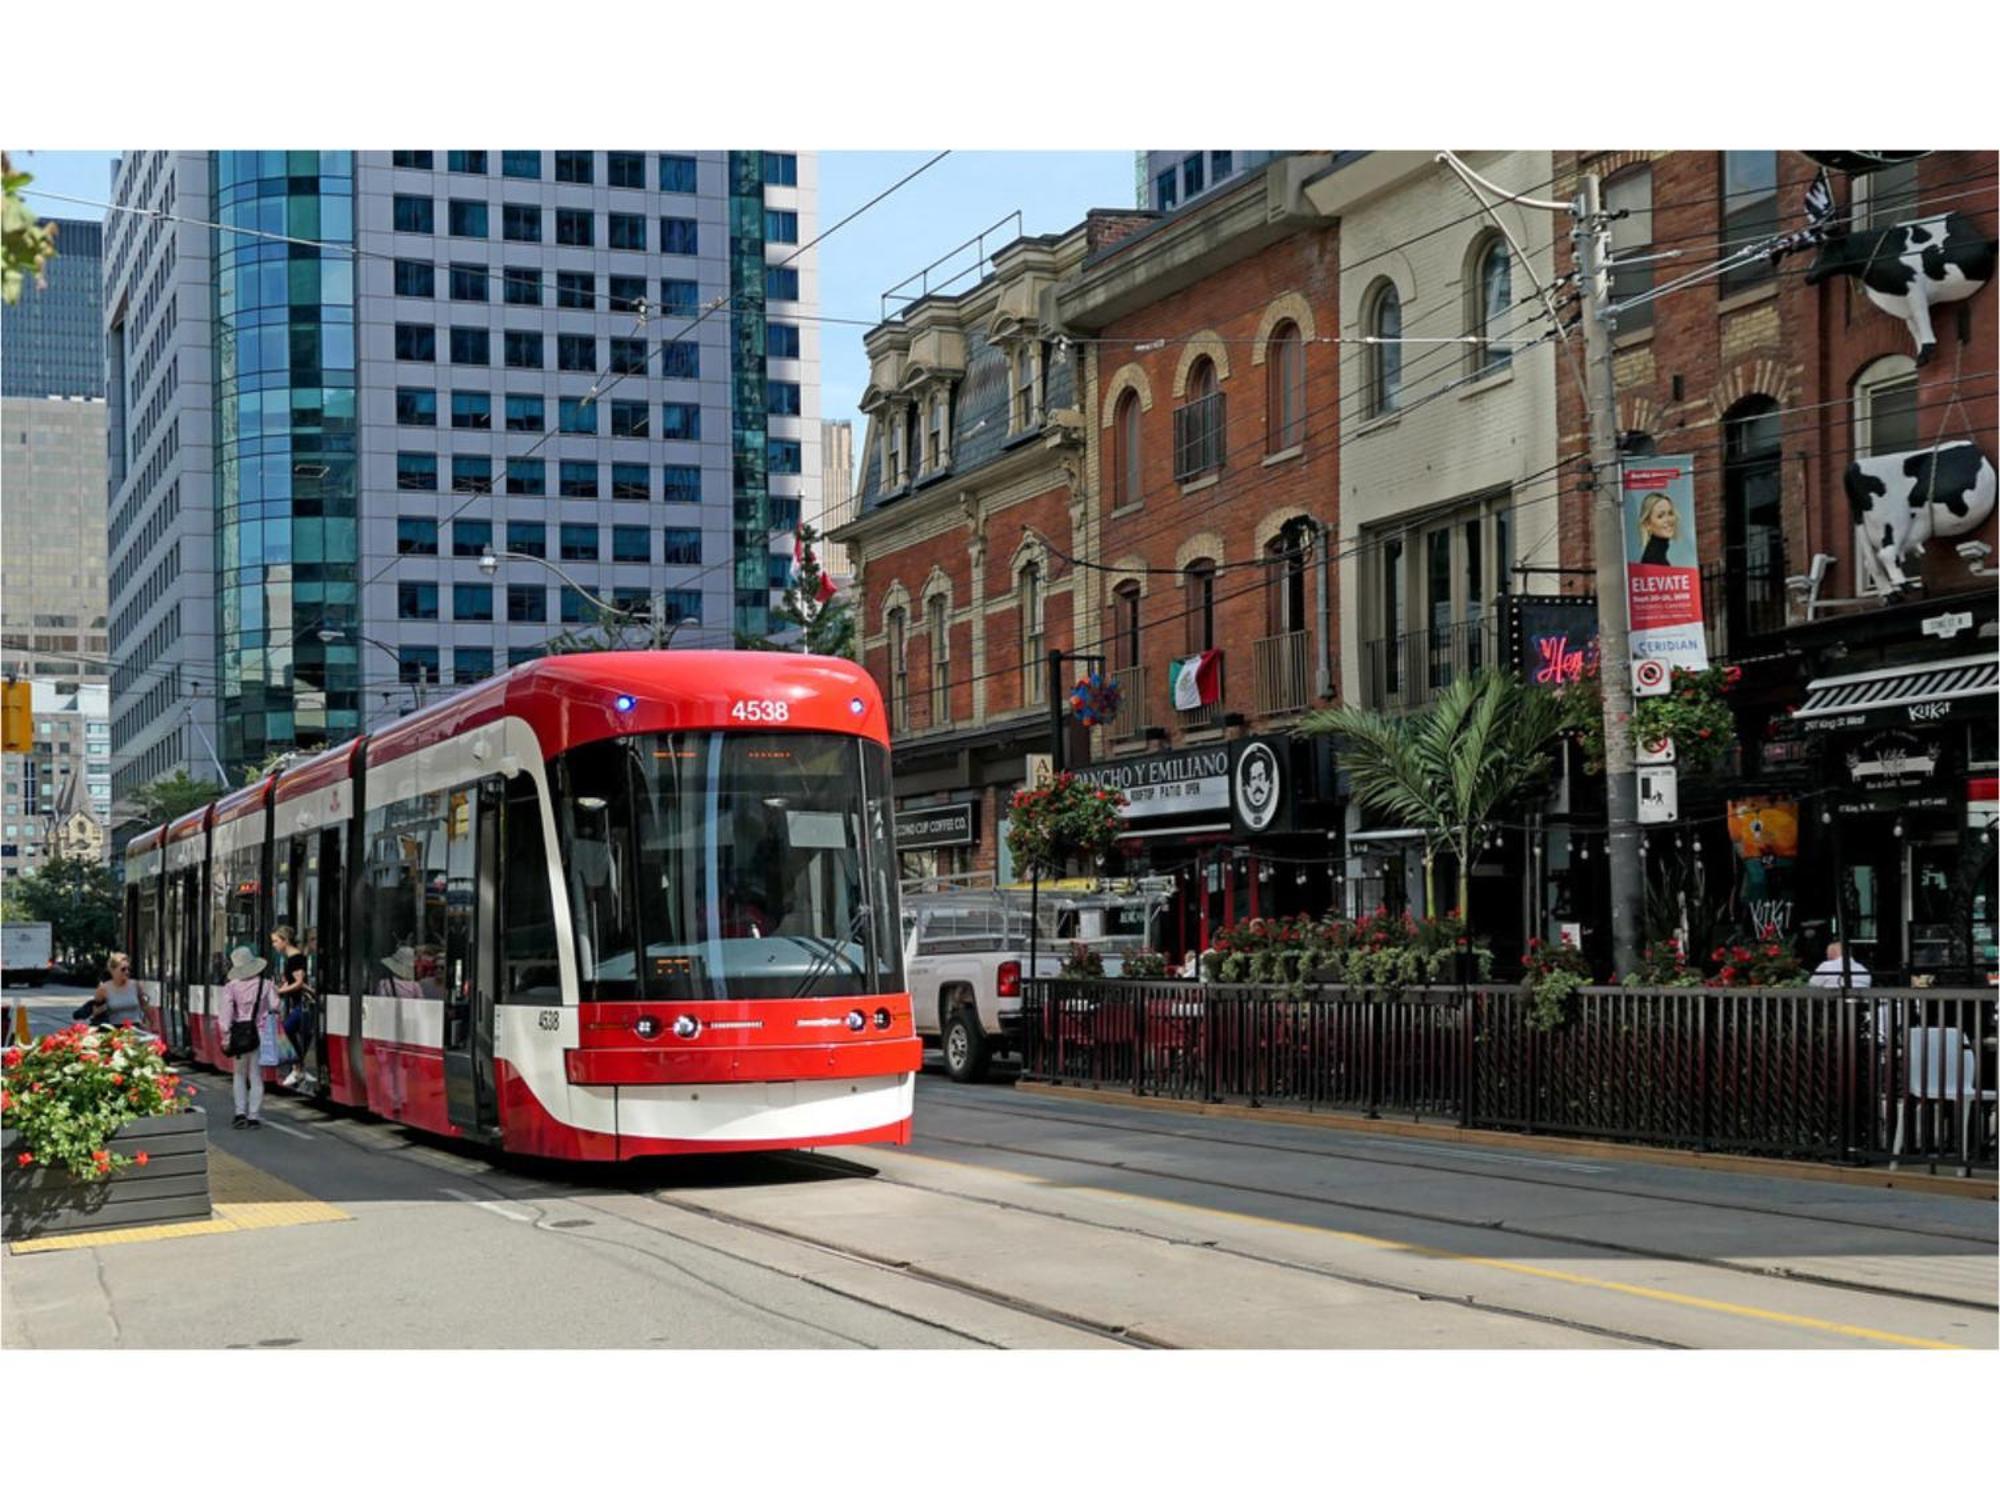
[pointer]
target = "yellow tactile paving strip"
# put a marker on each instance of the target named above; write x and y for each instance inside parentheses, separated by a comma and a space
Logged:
(243, 1198)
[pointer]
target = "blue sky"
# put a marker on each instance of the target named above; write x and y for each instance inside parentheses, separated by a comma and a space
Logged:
(962, 195)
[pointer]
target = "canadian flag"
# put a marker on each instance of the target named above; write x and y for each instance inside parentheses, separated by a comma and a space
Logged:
(826, 585)
(1197, 679)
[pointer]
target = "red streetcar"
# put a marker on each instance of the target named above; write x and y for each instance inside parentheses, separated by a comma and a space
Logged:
(603, 906)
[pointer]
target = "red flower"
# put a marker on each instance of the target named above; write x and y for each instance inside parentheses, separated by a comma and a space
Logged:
(141, 1159)
(25, 1159)
(100, 1156)
(1707, 733)
(117, 1078)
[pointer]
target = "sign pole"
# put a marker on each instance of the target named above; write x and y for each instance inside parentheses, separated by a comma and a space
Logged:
(1592, 240)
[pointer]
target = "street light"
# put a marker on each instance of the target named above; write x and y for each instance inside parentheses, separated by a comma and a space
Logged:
(331, 635)
(663, 630)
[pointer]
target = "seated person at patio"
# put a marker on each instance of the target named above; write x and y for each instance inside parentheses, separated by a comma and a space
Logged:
(1829, 975)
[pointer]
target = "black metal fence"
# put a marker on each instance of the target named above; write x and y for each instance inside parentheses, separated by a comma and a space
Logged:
(1875, 1075)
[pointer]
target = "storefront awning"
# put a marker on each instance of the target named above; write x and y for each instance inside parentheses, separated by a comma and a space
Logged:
(1916, 694)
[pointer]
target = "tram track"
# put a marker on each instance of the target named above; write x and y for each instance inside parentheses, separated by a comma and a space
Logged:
(834, 1168)
(1498, 1226)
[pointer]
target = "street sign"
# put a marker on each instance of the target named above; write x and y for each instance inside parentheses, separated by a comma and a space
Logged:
(1658, 752)
(1659, 794)
(1041, 769)
(1650, 678)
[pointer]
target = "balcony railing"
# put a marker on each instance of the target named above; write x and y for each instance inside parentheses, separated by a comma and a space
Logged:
(1408, 671)
(1283, 666)
(1198, 437)
(1129, 723)
(1209, 715)
(1743, 599)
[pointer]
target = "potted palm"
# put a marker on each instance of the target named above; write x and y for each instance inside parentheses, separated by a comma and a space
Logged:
(1449, 769)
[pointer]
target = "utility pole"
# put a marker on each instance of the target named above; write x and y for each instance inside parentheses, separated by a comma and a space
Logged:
(1621, 794)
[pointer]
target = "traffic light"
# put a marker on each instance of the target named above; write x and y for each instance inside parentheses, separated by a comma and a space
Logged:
(19, 718)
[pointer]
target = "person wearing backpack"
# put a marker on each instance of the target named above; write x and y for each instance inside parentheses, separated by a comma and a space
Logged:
(247, 999)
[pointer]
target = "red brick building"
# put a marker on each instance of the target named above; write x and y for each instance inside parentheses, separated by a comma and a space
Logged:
(1774, 385)
(969, 485)
(1209, 403)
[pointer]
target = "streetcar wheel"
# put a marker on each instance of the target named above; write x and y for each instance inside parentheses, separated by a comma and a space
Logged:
(965, 1051)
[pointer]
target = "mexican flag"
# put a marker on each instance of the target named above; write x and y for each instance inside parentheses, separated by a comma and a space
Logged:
(1197, 679)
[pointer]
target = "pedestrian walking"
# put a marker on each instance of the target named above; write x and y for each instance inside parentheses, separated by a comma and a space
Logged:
(295, 1004)
(248, 999)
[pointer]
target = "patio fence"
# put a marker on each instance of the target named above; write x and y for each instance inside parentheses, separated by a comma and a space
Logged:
(1866, 1076)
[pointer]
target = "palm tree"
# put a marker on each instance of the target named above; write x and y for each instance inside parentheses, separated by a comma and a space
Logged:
(1448, 769)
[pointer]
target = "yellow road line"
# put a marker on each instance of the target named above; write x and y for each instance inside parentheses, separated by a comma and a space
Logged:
(1572, 1278)
(242, 1197)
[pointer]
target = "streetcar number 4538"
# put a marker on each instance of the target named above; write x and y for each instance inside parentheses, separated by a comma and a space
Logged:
(761, 710)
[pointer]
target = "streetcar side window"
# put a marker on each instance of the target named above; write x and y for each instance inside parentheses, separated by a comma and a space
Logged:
(528, 928)
(236, 886)
(401, 925)
(596, 800)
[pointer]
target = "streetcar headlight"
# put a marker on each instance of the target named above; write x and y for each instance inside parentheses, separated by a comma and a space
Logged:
(624, 703)
(686, 1027)
(856, 1021)
(881, 1020)
(647, 1026)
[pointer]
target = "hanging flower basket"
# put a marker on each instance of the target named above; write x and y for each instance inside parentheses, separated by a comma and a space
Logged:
(1048, 825)
(1693, 714)
(1094, 700)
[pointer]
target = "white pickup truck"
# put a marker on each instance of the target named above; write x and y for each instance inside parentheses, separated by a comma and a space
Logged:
(966, 951)
(965, 955)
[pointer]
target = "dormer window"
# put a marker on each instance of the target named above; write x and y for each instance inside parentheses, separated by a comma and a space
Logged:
(934, 436)
(892, 461)
(1027, 388)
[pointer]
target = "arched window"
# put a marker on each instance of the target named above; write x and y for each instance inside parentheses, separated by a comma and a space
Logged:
(1385, 360)
(1198, 423)
(899, 669)
(1285, 577)
(1199, 607)
(1125, 451)
(938, 622)
(1033, 639)
(1885, 406)
(1125, 626)
(1630, 196)
(1493, 301)
(1285, 376)
(1753, 517)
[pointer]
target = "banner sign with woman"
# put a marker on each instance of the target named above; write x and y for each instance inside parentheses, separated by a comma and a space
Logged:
(1662, 572)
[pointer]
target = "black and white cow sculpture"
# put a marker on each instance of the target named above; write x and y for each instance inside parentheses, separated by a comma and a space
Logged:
(1901, 500)
(1909, 268)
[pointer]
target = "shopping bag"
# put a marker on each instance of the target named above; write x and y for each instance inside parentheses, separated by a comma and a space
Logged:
(268, 1037)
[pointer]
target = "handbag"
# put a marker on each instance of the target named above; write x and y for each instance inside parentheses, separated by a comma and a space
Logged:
(246, 1036)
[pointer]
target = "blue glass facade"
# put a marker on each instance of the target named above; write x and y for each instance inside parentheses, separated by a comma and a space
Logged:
(751, 533)
(285, 471)
(52, 340)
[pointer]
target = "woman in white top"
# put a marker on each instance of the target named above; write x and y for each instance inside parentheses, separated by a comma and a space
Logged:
(119, 997)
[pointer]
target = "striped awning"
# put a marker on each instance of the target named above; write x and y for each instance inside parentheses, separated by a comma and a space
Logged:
(1889, 694)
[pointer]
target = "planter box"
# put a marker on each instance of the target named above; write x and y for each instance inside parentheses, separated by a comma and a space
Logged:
(170, 1188)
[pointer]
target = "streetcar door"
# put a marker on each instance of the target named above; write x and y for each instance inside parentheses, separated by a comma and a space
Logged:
(472, 865)
(181, 952)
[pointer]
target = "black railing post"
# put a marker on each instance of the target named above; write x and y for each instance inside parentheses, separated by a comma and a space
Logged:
(1371, 1051)
(1138, 1042)
(1465, 1049)
(1701, 1101)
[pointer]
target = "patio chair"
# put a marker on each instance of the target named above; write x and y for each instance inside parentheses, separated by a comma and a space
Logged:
(1942, 1069)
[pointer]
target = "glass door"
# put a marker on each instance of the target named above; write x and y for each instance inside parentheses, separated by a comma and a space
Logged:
(471, 933)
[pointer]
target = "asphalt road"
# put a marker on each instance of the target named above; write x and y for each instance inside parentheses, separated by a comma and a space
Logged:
(1025, 1221)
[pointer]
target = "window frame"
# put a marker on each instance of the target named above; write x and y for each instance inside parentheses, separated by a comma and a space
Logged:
(1285, 388)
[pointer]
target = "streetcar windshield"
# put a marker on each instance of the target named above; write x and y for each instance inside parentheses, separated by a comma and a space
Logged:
(730, 866)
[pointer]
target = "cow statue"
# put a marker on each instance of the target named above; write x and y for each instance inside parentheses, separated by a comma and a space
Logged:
(1909, 268)
(1901, 500)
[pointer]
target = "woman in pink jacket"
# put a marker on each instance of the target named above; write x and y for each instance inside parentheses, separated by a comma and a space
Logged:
(247, 996)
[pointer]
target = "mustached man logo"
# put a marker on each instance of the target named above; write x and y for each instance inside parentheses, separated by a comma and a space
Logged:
(1257, 787)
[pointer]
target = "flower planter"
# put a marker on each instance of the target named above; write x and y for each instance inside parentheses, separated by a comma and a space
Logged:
(172, 1187)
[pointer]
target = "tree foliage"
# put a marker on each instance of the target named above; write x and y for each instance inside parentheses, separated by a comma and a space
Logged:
(803, 620)
(25, 244)
(78, 899)
(166, 799)
(1450, 768)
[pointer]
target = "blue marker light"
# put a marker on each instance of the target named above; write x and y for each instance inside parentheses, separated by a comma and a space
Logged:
(625, 703)
(856, 707)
